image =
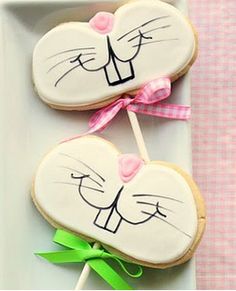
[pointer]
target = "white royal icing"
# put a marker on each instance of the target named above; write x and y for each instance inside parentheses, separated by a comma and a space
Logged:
(149, 39)
(152, 218)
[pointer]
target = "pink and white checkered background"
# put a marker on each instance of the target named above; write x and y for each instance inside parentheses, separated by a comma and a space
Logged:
(214, 138)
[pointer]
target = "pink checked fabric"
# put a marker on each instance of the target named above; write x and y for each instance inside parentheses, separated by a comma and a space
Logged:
(147, 101)
(214, 138)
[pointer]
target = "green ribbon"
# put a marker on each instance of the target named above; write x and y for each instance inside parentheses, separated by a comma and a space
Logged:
(80, 250)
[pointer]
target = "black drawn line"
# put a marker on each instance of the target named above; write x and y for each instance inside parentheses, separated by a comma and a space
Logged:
(114, 202)
(172, 225)
(142, 36)
(77, 57)
(155, 205)
(81, 173)
(71, 50)
(67, 59)
(158, 210)
(83, 163)
(107, 229)
(113, 58)
(143, 25)
(80, 177)
(155, 41)
(78, 185)
(135, 223)
(113, 209)
(112, 55)
(111, 51)
(70, 70)
(151, 30)
(90, 70)
(158, 196)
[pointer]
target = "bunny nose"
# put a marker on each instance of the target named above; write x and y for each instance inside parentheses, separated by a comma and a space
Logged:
(102, 22)
(129, 165)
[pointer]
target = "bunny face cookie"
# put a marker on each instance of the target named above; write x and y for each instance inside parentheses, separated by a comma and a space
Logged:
(87, 65)
(149, 213)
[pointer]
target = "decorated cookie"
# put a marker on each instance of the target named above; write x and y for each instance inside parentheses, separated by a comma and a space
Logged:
(79, 66)
(148, 213)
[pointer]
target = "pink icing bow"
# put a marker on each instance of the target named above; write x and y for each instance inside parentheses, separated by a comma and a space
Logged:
(147, 101)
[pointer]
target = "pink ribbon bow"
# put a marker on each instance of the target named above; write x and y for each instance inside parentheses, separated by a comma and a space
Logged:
(147, 101)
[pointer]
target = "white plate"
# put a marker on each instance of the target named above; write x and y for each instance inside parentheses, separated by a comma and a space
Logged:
(29, 128)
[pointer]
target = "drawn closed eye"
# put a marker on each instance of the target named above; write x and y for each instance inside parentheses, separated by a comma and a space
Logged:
(145, 24)
(144, 33)
(153, 201)
(136, 216)
(159, 214)
(86, 181)
(81, 54)
(83, 178)
(80, 176)
(92, 170)
(157, 206)
(70, 59)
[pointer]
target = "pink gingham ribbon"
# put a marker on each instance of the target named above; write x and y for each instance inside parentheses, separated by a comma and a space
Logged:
(147, 101)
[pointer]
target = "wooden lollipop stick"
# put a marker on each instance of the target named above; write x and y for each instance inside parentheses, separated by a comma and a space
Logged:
(144, 154)
(85, 272)
(138, 136)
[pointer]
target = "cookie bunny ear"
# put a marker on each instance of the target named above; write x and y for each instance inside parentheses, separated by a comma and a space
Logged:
(87, 65)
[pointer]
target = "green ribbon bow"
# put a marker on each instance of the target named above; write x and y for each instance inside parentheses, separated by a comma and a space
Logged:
(80, 251)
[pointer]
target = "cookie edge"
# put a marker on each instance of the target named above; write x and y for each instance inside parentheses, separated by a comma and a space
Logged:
(199, 202)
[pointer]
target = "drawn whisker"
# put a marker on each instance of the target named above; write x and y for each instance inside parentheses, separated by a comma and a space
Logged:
(81, 173)
(83, 163)
(67, 59)
(70, 70)
(155, 41)
(154, 204)
(151, 30)
(79, 186)
(170, 224)
(158, 196)
(143, 25)
(71, 50)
